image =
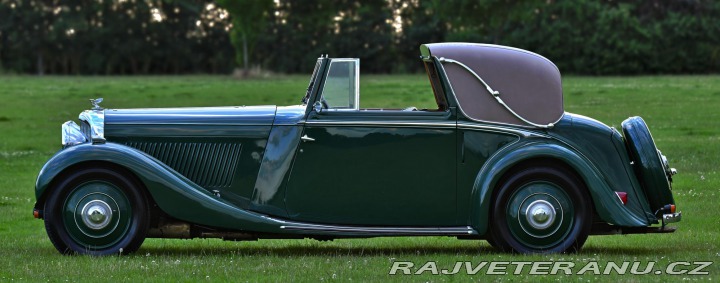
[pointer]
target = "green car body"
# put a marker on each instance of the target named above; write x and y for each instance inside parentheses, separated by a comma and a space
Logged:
(329, 169)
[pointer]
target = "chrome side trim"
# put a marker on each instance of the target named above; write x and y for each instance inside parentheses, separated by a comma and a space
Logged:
(71, 134)
(96, 121)
(442, 125)
(496, 97)
(500, 129)
(189, 124)
(382, 124)
(415, 231)
(387, 230)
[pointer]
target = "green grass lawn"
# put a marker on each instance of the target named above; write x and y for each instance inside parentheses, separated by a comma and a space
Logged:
(683, 113)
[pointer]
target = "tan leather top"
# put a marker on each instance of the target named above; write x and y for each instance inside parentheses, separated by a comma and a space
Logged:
(528, 83)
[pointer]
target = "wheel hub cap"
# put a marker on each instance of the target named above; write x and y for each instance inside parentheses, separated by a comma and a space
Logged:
(540, 214)
(96, 214)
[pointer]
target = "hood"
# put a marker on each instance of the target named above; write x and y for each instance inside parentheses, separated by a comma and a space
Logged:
(231, 115)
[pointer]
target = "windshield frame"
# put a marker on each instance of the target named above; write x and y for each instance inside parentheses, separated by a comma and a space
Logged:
(313, 79)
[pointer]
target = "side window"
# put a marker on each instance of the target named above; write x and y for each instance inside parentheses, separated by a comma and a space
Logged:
(341, 90)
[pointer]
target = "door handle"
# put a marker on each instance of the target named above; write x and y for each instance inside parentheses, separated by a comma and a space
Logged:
(305, 138)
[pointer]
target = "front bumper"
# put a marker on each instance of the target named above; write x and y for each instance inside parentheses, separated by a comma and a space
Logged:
(672, 217)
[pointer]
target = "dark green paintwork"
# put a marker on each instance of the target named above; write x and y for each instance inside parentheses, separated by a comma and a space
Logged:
(173, 192)
(390, 173)
(364, 168)
(595, 140)
(179, 137)
(475, 148)
(606, 202)
(269, 193)
(648, 164)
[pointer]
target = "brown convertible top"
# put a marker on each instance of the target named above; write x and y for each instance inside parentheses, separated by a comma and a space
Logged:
(527, 83)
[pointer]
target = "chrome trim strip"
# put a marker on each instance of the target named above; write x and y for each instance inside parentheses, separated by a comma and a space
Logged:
(386, 230)
(444, 125)
(382, 123)
(500, 129)
(292, 225)
(491, 92)
(202, 124)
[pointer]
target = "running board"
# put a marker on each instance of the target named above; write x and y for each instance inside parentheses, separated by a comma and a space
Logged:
(375, 230)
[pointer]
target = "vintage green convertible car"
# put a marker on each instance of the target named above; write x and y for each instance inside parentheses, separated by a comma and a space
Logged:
(498, 159)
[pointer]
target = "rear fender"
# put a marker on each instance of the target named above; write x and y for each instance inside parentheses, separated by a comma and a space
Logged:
(607, 204)
(174, 194)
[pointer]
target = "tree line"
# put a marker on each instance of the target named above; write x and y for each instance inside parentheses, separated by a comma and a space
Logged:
(594, 37)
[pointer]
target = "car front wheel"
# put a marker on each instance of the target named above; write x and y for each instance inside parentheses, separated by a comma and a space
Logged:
(96, 211)
(541, 210)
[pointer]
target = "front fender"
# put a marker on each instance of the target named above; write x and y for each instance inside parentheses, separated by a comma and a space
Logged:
(174, 194)
(607, 204)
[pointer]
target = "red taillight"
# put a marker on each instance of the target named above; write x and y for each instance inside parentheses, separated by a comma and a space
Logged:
(622, 196)
(668, 208)
(36, 213)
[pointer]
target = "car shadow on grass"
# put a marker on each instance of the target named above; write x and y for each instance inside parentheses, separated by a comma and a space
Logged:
(365, 251)
(638, 251)
(321, 251)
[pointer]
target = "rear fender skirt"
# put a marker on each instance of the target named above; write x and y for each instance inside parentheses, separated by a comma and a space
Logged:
(174, 194)
(607, 204)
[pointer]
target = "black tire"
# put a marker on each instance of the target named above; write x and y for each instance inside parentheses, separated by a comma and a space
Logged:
(559, 202)
(97, 211)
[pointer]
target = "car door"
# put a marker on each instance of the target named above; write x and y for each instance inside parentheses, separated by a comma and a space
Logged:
(373, 167)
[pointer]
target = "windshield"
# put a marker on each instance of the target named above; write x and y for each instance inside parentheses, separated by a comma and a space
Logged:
(312, 82)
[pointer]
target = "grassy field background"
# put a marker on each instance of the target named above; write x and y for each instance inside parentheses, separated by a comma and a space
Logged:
(683, 113)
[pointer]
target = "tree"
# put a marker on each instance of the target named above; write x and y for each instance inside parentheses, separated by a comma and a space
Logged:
(249, 20)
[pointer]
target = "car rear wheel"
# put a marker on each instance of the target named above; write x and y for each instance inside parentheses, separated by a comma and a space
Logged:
(541, 210)
(96, 211)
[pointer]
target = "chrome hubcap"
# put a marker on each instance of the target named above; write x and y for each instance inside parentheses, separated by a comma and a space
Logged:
(96, 214)
(540, 214)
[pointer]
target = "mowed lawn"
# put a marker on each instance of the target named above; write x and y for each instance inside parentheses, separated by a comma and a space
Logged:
(683, 113)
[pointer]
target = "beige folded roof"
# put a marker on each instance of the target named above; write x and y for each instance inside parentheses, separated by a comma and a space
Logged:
(528, 83)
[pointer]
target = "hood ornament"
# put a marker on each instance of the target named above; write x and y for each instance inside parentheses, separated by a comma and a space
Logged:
(95, 103)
